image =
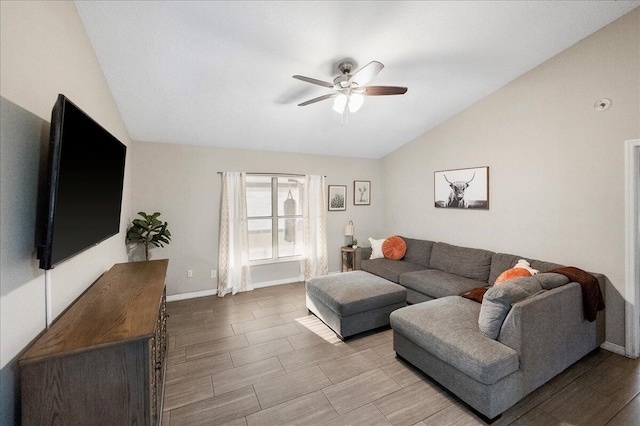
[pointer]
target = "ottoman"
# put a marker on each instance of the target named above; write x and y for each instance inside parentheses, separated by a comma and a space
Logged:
(353, 302)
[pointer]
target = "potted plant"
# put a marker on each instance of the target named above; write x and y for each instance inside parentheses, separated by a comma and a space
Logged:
(148, 230)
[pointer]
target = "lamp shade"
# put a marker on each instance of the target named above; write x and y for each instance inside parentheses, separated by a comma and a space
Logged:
(339, 103)
(355, 102)
(348, 230)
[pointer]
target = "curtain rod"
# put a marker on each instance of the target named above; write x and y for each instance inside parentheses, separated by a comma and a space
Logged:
(273, 174)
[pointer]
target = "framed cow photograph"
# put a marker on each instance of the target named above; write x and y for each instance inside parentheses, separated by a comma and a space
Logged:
(462, 188)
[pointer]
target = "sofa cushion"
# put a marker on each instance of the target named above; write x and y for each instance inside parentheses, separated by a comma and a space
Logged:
(550, 280)
(389, 269)
(544, 266)
(394, 248)
(500, 262)
(436, 283)
(418, 251)
(464, 261)
(497, 302)
(350, 293)
(448, 329)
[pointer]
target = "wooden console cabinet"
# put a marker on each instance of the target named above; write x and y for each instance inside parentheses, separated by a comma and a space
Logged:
(102, 361)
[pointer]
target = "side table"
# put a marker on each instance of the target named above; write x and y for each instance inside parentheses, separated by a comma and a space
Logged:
(346, 258)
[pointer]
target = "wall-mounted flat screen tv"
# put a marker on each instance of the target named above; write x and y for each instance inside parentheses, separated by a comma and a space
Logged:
(80, 196)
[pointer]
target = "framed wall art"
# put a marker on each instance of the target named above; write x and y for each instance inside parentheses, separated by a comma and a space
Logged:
(337, 197)
(462, 188)
(361, 192)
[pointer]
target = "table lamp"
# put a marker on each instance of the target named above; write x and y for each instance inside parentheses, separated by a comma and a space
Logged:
(348, 231)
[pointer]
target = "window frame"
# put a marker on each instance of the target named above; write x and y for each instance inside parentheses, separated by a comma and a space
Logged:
(275, 244)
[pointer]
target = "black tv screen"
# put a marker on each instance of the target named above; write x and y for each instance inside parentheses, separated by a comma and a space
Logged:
(81, 196)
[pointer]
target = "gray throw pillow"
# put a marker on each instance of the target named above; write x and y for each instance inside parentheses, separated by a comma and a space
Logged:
(550, 280)
(497, 302)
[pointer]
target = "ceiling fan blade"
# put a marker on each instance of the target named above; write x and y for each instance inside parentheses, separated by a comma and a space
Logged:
(314, 81)
(366, 73)
(319, 98)
(384, 90)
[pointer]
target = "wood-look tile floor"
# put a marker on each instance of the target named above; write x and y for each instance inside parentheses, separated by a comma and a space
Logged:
(259, 358)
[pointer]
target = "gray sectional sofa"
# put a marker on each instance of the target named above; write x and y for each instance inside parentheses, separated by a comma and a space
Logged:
(540, 337)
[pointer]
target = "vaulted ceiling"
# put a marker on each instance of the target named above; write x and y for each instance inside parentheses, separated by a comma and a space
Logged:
(219, 73)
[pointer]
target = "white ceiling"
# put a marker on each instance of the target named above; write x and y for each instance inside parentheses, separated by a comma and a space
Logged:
(219, 73)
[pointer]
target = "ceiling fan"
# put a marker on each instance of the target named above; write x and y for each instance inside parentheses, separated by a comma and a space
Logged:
(350, 88)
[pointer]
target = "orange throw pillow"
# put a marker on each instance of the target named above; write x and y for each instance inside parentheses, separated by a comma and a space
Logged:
(512, 273)
(394, 248)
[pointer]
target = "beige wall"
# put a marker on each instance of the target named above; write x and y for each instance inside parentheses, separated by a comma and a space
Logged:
(181, 182)
(44, 51)
(556, 164)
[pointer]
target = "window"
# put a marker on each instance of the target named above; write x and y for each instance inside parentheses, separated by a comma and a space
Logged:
(275, 221)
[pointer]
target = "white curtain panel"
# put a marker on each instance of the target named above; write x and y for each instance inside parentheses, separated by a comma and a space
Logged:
(233, 251)
(315, 227)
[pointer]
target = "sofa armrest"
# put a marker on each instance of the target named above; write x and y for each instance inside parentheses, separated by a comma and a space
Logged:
(362, 253)
(549, 332)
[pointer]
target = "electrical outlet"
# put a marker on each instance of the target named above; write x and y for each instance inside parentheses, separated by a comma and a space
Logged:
(214, 273)
(189, 273)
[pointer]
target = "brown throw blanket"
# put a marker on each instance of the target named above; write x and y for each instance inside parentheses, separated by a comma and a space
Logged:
(476, 294)
(592, 300)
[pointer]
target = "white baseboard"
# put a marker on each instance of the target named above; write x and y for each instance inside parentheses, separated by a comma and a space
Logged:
(612, 347)
(278, 282)
(183, 296)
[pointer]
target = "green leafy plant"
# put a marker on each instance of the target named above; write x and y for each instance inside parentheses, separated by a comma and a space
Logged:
(149, 230)
(337, 201)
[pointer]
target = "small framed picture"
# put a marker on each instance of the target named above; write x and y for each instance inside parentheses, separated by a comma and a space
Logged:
(361, 192)
(462, 188)
(337, 197)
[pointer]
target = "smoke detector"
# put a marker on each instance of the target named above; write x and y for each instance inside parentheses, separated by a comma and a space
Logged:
(602, 105)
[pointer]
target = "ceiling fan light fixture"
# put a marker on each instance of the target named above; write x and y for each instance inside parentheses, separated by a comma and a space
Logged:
(350, 89)
(339, 102)
(355, 102)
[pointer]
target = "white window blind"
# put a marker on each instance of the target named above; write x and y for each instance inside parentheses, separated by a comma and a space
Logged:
(275, 221)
